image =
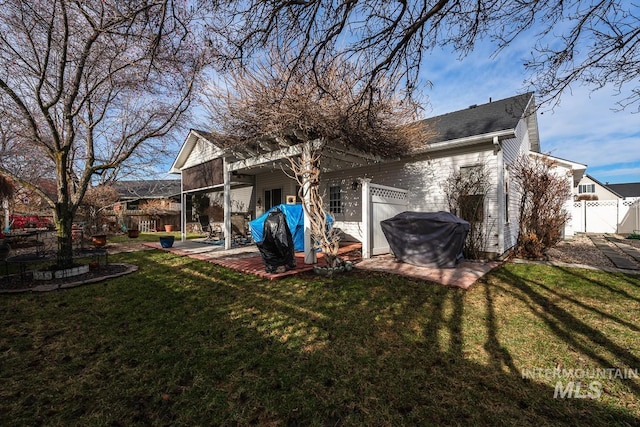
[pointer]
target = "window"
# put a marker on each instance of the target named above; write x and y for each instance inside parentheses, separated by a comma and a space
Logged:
(472, 207)
(335, 199)
(506, 194)
(586, 188)
(471, 202)
(272, 198)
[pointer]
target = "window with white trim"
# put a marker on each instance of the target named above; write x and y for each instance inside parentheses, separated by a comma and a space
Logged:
(335, 199)
(586, 188)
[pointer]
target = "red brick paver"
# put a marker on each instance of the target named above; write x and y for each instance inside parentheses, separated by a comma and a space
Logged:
(462, 276)
(248, 260)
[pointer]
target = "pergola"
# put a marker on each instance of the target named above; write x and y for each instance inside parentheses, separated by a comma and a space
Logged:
(224, 168)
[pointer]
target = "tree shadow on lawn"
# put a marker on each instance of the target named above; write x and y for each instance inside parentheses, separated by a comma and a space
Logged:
(211, 346)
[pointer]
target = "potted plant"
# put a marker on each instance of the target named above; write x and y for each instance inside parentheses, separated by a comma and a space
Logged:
(133, 233)
(99, 240)
(166, 241)
(168, 228)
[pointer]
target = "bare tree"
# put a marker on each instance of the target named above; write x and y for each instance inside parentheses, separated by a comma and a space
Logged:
(95, 202)
(86, 85)
(544, 192)
(590, 42)
(466, 191)
(286, 106)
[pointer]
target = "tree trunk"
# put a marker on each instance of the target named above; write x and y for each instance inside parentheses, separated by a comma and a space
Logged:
(64, 225)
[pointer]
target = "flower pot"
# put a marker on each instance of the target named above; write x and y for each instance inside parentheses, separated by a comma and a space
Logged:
(99, 240)
(168, 228)
(133, 233)
(166, 241)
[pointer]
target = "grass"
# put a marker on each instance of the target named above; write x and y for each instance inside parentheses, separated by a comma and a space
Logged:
(182, 342)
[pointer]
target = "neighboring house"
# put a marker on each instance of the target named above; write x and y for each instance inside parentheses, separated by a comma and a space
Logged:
(606, 208)
(361, 190)
(625, 190)
(138, 212)
(589, 188)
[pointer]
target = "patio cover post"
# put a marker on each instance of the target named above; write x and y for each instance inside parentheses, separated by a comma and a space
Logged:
(366, 217)
(309, 252)
(227, 203)
(183, 216)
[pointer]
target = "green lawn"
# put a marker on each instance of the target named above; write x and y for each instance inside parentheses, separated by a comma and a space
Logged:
(182, 342)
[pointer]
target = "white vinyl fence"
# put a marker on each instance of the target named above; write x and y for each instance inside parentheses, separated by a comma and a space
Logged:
(606, 216)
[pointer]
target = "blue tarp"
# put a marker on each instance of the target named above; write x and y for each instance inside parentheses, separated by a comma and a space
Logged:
(295, 221)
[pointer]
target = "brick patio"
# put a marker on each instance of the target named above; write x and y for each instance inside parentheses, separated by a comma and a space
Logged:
(248, 260)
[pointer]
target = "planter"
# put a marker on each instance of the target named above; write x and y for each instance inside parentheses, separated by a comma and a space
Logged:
(60, 274)
(168, 228)
(99, 240)
(167, 241)
(330, 271)
(133, 233)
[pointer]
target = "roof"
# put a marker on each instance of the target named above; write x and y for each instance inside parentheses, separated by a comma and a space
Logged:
(606, 187)
(481, 119)
(629, 189)
(478, 123)
(148, 189)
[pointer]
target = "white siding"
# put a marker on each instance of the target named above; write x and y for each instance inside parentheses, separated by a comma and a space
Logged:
(272, 180)
(600, 192)
(512, 149)
(423, 176)
(202, 151)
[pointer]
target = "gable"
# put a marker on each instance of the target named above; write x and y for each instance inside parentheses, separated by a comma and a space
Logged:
(199, 147)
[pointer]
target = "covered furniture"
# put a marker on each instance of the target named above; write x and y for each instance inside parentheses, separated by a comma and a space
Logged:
(426, 239)
(276, 246)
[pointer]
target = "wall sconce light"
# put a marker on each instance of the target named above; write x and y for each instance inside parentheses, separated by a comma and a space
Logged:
(355, 185)
(259, 203)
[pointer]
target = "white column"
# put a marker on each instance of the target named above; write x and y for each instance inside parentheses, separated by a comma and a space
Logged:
(309, 252)
(227, 203)
(183, 216)
(365, 199)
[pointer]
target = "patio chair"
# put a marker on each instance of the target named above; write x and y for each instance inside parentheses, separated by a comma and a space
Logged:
(213, 233)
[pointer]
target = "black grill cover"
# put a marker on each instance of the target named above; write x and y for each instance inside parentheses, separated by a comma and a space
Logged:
(276, 247)
(426, 239)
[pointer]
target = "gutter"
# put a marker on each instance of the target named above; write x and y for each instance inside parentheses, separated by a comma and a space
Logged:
(463, 142)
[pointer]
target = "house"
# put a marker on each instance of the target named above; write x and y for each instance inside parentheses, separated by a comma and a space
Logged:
(589, 188)
(625, 190)
(362, 189)
(606, 208)
(149, 204)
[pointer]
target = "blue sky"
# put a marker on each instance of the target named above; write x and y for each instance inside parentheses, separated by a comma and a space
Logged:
(583, 128)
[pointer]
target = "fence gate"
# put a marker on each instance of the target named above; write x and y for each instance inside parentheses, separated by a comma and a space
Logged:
(386, 202)
(606, 216)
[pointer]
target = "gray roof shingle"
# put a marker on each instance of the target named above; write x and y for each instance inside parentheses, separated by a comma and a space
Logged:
(481, 119)
(629, 189)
